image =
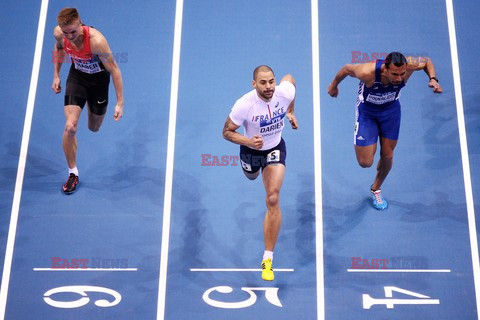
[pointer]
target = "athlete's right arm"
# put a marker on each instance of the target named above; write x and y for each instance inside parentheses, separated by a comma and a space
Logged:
(359, 71)
(230, 134)
(57, 58)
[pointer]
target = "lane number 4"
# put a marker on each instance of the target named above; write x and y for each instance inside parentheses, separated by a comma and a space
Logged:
(390, 302)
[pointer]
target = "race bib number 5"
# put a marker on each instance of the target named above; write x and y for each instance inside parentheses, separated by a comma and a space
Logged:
(273, 156)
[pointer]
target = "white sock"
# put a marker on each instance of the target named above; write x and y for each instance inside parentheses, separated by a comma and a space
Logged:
(267, 254)
(73, 170)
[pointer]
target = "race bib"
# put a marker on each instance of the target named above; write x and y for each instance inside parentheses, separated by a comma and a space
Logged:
(87, 66)
(246, 166)
(273, 156)
(384, 98)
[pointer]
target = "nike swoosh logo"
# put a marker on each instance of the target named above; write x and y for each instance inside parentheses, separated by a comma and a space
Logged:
(100, 102)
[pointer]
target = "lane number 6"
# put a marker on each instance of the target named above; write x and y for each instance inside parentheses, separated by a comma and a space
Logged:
(84, 299)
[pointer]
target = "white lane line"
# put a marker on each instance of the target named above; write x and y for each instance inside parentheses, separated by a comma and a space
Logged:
(22, 159)
(235, 270)
(400, 270)
(85, 269)
(167, 202)
(464, 150)
(317, 147)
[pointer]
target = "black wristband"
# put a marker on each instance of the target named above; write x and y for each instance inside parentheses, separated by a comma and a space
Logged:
(434, 78)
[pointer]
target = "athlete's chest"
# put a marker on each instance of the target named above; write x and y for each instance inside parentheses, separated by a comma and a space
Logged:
(267, 112)
(77, 45)
(379, 94)
(380, 88)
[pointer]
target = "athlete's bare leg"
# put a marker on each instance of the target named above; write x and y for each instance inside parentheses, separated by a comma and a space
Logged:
(385, 163)
(95, 120)
(272, 179)
(365, 156)
(72, 114)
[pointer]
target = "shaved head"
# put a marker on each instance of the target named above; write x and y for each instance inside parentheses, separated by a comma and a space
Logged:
(262, 68)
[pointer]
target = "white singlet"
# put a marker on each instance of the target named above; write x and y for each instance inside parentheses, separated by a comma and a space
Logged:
(264, 118)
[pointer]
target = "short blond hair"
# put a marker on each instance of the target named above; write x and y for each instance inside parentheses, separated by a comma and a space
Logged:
(66, 16)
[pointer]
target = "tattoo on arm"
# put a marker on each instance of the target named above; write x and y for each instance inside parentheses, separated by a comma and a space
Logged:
(229, 129)
(226, 131)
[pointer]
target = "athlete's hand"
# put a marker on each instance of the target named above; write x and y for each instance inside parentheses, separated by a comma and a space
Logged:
(118, 112)
(56, 85)
(293, 120)
(256, 142)
(333, 90)
(437, 88)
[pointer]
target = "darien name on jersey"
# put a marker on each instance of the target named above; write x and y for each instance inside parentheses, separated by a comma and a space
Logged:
(270, 128)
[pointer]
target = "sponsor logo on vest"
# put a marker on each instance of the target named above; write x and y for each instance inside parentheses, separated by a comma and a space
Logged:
(384, 98)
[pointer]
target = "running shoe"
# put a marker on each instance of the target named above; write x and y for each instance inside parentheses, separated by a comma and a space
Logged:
(379, 202)
(71, 184)
(267, 270)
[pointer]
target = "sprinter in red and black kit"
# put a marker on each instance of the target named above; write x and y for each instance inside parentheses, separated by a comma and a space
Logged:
(87, 82)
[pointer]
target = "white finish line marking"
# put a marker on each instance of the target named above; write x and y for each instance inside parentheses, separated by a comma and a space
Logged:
(236, 270)
(399, 270)
(84, 269)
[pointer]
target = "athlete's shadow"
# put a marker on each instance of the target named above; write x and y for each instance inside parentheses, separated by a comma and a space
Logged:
(141, 184)
(339, 221)
(124, 175)
(188, 214)
(439, 208)
(8, 173)
(305, 229)
(44, 174)
(305, 222)
(442, 130)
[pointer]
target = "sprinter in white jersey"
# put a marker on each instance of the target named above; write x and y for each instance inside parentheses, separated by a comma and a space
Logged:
(262, 112)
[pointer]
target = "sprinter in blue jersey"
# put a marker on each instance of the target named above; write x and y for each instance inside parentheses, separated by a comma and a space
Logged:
(378, 109)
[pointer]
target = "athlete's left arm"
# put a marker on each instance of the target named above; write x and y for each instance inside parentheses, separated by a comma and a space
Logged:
(99, 45)
(291, 108)
(425, 64)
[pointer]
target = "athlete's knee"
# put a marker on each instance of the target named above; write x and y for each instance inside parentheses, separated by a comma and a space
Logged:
(386, 156)
(94, 127)
(365, 155)
(71, 128)
(251, 176)
(273, 199)
(365, 162)
(94, 123)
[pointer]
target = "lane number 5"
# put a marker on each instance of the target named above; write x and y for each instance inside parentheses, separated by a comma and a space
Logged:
(270, 293)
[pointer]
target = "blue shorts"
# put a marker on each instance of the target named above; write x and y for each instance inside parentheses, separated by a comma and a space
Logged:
(252, 160)
(371, 124)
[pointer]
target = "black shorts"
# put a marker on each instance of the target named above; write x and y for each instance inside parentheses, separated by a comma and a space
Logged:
(91, 88)
(252, 160)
